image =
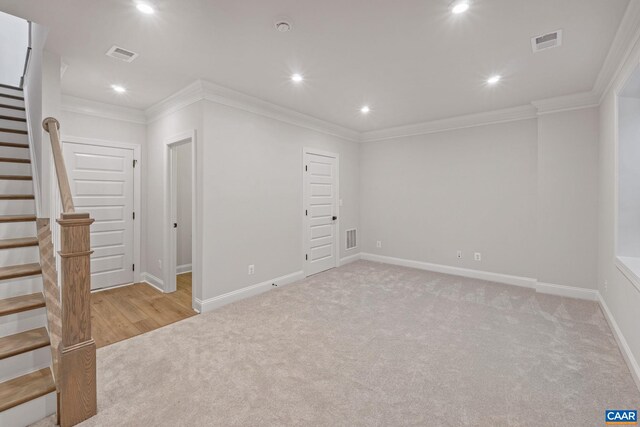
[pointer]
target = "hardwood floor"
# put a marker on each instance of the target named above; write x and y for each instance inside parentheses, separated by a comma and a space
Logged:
(121, 313)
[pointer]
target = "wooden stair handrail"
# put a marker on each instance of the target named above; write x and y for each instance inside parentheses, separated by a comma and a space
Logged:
(74, 348)
(58, 161)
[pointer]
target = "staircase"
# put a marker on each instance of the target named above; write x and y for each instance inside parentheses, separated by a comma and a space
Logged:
(27, 387)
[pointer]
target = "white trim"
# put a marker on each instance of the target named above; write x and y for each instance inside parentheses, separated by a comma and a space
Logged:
(525, 282)
(89, 107)
(567, 291)
(184, 268)
(349, 259)
(137, 189)
(625, 39)
(627, 354)
(124, 285)
(204, 90)
(628, 272)
(152, 280)
(169, 244)
(305, 218)
(246, 292)
(576, 101)
(35, 172)
(524, 112)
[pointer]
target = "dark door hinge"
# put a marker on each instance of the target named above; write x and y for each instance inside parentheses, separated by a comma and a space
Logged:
(305, 168)
(134, 162)
(306, 212)
(134, 267)
(306, 257)
(134, 215)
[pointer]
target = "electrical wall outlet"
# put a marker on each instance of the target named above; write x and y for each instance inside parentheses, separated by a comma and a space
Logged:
(477, 256)
(251, 270)
(459, 254)
(378, 244)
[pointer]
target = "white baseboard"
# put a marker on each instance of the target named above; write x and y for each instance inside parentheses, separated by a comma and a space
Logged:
(567, 291)
(349, 259)
(185, 268)
(525, 282)
(216, 302)
(627, 354)
(152, 280)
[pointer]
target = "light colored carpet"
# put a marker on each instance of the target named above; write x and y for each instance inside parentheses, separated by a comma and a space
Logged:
(369, 344)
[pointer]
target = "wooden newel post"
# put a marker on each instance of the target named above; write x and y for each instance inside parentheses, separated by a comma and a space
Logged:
(77, 383)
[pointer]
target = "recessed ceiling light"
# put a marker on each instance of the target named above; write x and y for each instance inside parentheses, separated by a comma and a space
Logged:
(145, 8)
(297, 78)
(459, 7)
(118, 88)
(493, 79)
(365, 109)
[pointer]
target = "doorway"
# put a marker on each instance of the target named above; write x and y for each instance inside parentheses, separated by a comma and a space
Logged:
(180, 256)
(321, 206)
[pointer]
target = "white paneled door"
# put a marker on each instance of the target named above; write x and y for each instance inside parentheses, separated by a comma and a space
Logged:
(101, 180)
(321, 212)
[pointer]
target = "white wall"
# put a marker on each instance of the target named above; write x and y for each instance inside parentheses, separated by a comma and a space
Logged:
(252, 207)
(567, 202)
(14, 40)
(184, 231)
(619, 294)
(629, 177)
(426, 197)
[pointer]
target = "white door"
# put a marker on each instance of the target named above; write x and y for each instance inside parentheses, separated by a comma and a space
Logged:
(321, 215)
(101, 180)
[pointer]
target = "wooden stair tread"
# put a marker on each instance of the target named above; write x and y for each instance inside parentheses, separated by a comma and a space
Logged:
(11, 107)
(17, 218)
(21, 303)
(16, 196)
(15, 119)
(19, 131)
(14, 160)
(23, 342)
(18, 243)
(4, 95)
(16, 177)
(26, 388)
(14, 145)
(11, 87)
(22, 270)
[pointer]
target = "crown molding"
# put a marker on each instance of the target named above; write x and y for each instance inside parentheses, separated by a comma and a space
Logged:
(204, 90)
(523, 112)
(624, 41)
(99, 109)
(571, 102)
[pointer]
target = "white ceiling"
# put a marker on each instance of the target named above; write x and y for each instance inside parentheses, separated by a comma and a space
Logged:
(410, 60)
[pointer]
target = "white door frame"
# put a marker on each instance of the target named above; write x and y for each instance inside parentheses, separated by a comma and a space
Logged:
(170, 244)
(305, 218)
(137, 151)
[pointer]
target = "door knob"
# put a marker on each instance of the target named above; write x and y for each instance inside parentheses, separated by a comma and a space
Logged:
(175, 225)
(335, 217)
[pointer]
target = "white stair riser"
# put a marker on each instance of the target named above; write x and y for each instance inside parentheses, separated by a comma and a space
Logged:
(8, 168)
(17, 256)
(14, 137)
(9, 186)
(14, 230)
(20, 286)
(11, 101)
(17, 207)
(12, 124)
(12, 92)
(22, 364)
(21, 322)
(10, 112)
(14, 152)
(30, 412)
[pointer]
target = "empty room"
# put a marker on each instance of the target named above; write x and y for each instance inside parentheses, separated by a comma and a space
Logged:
(319, 213)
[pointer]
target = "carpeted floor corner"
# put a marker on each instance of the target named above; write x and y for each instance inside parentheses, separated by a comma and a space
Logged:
(370, 344)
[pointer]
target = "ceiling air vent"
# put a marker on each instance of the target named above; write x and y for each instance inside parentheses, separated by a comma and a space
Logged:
(121, 54)
(546, 41)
